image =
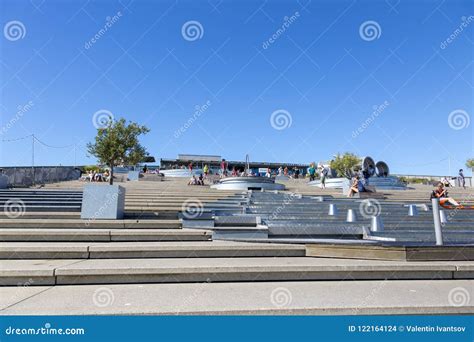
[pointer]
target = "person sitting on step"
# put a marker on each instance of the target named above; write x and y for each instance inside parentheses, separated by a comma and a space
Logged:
(356, 187)
(442, 194)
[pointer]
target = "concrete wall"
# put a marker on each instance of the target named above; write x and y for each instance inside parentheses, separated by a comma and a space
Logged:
(27, 176)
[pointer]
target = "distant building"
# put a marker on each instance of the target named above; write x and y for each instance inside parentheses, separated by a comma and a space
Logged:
(214, 162)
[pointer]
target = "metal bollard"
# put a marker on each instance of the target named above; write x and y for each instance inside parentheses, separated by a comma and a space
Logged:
(412, 210)
(351, 216)
(442, 216)
(376, 224)
(332, 210)
(437, 221)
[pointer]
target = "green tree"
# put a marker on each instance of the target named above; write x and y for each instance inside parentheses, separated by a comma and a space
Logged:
(470, 164)
(345, 164)
(117, 144)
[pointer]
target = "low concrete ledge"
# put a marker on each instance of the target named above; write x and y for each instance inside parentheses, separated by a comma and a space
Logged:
(43, 235)
(101, 235)
(79, 223)
(110, 271)
(403, 253)
(160, 235)
(30, 272)
(47, 250)
(169, 249)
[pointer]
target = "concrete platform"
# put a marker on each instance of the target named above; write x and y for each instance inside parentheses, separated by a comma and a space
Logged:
(118, 250)
(405, 253)
(181, 270)
(413, 297)
(101, 235)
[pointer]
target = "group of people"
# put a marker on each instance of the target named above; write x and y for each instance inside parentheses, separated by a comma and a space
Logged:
(196, 180)
(323, 172)
(461, 180)
(96, 176)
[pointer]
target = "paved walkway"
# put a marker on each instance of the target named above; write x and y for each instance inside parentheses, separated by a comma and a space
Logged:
(309, 298)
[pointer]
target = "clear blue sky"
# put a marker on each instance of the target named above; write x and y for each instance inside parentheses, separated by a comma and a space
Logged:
(322, 69)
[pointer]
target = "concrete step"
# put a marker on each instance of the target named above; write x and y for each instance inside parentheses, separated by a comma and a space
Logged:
(101, 235)
(79, 223)
(49, 208)
(238, 232)
(403, 297)
(181, 270)
(43, 215)
(116, 250)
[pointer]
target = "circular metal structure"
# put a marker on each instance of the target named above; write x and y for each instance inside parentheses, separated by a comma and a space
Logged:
(247, 183)
(181, 173)
(368, 164)
(382, 169)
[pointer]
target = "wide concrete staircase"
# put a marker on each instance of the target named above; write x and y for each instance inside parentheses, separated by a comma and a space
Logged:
(150, 264)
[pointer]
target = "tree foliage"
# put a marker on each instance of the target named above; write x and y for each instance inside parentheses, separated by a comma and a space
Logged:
(470, 163)
(118, 144)
(345, 164)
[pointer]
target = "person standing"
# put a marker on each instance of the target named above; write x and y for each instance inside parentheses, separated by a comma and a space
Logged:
(462, 179)
(297, 173)
(312, 172)
(224, 168)
(268, 174)
(206, 170)
(324, 174)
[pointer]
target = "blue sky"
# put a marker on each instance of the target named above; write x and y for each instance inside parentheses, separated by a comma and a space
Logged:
(322, 75)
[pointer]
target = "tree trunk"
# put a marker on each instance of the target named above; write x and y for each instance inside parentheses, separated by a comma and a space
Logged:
(111, 181)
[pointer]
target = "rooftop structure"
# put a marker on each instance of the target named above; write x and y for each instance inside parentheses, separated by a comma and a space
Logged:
(214, 161)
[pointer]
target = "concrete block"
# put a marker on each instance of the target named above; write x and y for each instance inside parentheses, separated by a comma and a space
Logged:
(133, 175)
(101, 202)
